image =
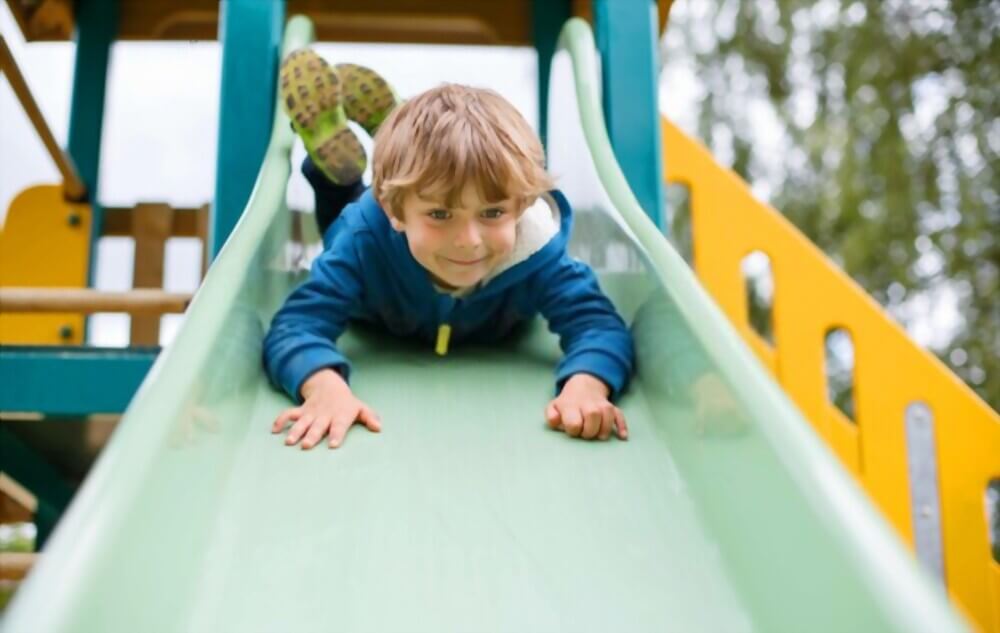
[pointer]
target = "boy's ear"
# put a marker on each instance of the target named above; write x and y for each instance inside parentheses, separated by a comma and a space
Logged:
(396, 223)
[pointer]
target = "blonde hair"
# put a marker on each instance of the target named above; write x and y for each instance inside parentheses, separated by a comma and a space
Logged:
(437, 142)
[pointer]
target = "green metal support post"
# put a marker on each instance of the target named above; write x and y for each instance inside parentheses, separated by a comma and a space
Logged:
(626, 34)
(96, 29)
(547, 18)
(250, 33)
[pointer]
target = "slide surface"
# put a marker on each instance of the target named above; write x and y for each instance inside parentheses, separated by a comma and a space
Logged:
(466, 513)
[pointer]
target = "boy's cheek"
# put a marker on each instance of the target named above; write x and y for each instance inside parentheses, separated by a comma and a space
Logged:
(505, 245)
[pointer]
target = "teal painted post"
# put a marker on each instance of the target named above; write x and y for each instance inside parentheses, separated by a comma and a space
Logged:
(96, 28)
(31, 471)
(250, 33)
(626, 34)
(547, 17)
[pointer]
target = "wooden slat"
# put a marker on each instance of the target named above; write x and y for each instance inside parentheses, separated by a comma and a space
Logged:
(151, 224)
(16, 565)
(144, 301)
(186, 222)
(17, 504)
(202, 217)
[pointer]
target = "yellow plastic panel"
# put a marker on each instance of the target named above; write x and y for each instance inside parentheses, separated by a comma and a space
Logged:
(44, 241)
(813, 296)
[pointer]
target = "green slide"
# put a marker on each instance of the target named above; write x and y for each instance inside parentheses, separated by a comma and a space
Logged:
(466, 513)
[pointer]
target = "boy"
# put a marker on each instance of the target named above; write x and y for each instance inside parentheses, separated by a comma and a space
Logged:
(461, 237)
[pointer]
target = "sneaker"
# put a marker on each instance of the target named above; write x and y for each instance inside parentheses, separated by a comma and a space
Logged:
(311, 96)
(368, 97)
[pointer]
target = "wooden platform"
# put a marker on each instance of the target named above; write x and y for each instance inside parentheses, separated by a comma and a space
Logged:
(495, 22)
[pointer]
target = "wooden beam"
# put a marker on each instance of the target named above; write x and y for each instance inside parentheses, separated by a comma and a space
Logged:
(202, 215)
(151, 224)
(186, 222)
(43, 20)
(438, 22)
(16, 565)
(73, 186)
(143, 301)
(17, 504)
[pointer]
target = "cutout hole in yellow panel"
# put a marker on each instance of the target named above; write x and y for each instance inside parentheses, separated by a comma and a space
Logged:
(679, 222)
(758, 280)
(839, 368)
(993, 516)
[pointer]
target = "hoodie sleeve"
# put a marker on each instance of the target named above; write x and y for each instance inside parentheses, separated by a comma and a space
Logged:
(593, 337)
(301, 339)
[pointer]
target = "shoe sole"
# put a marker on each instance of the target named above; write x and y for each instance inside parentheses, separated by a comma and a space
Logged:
(367, 96)
(311, 96)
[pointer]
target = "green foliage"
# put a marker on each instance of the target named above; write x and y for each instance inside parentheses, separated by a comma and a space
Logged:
(17, 537)
(874, 125)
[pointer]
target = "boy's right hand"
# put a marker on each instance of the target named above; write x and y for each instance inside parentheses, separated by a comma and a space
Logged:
(329, 407)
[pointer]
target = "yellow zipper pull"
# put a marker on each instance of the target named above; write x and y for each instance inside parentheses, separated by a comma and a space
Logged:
(444, 335)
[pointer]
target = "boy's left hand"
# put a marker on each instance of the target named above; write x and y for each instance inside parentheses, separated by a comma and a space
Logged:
(583, 410)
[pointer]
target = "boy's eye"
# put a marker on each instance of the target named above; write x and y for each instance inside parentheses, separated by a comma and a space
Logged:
(493, 213)
(438, 214)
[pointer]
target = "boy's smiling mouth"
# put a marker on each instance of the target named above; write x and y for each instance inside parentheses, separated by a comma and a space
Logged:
(470, 262)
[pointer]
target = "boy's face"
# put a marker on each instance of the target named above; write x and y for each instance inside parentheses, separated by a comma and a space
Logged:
(459, 246)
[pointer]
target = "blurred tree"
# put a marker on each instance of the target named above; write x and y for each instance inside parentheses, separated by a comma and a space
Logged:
(874, 125)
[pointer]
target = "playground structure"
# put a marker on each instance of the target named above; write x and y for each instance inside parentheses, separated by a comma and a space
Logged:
(921, 444)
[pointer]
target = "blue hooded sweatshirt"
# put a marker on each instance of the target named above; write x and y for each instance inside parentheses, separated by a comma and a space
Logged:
(367, 272)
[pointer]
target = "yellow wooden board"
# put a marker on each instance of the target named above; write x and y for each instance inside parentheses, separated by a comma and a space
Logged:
(44, 242)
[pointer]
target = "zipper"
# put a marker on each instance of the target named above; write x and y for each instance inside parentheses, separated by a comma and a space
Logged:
(444, 328)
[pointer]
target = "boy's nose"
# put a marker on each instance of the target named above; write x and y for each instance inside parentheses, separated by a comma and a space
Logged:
(468, 235)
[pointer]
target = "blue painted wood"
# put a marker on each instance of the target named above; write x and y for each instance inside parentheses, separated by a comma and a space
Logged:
(71, 380)
(626, 34)
(250, 32)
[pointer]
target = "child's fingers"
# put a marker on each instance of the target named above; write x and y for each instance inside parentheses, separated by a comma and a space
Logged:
(572, 421)
(591, 422)
(370, 419)
(607, 422)
(552, 416)
(316, 432)
(620, 427)
(299, 429)
(283, 419)
(338, 431)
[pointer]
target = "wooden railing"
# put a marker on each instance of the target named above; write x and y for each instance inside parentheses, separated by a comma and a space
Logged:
(73, 186)
(42, 300)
